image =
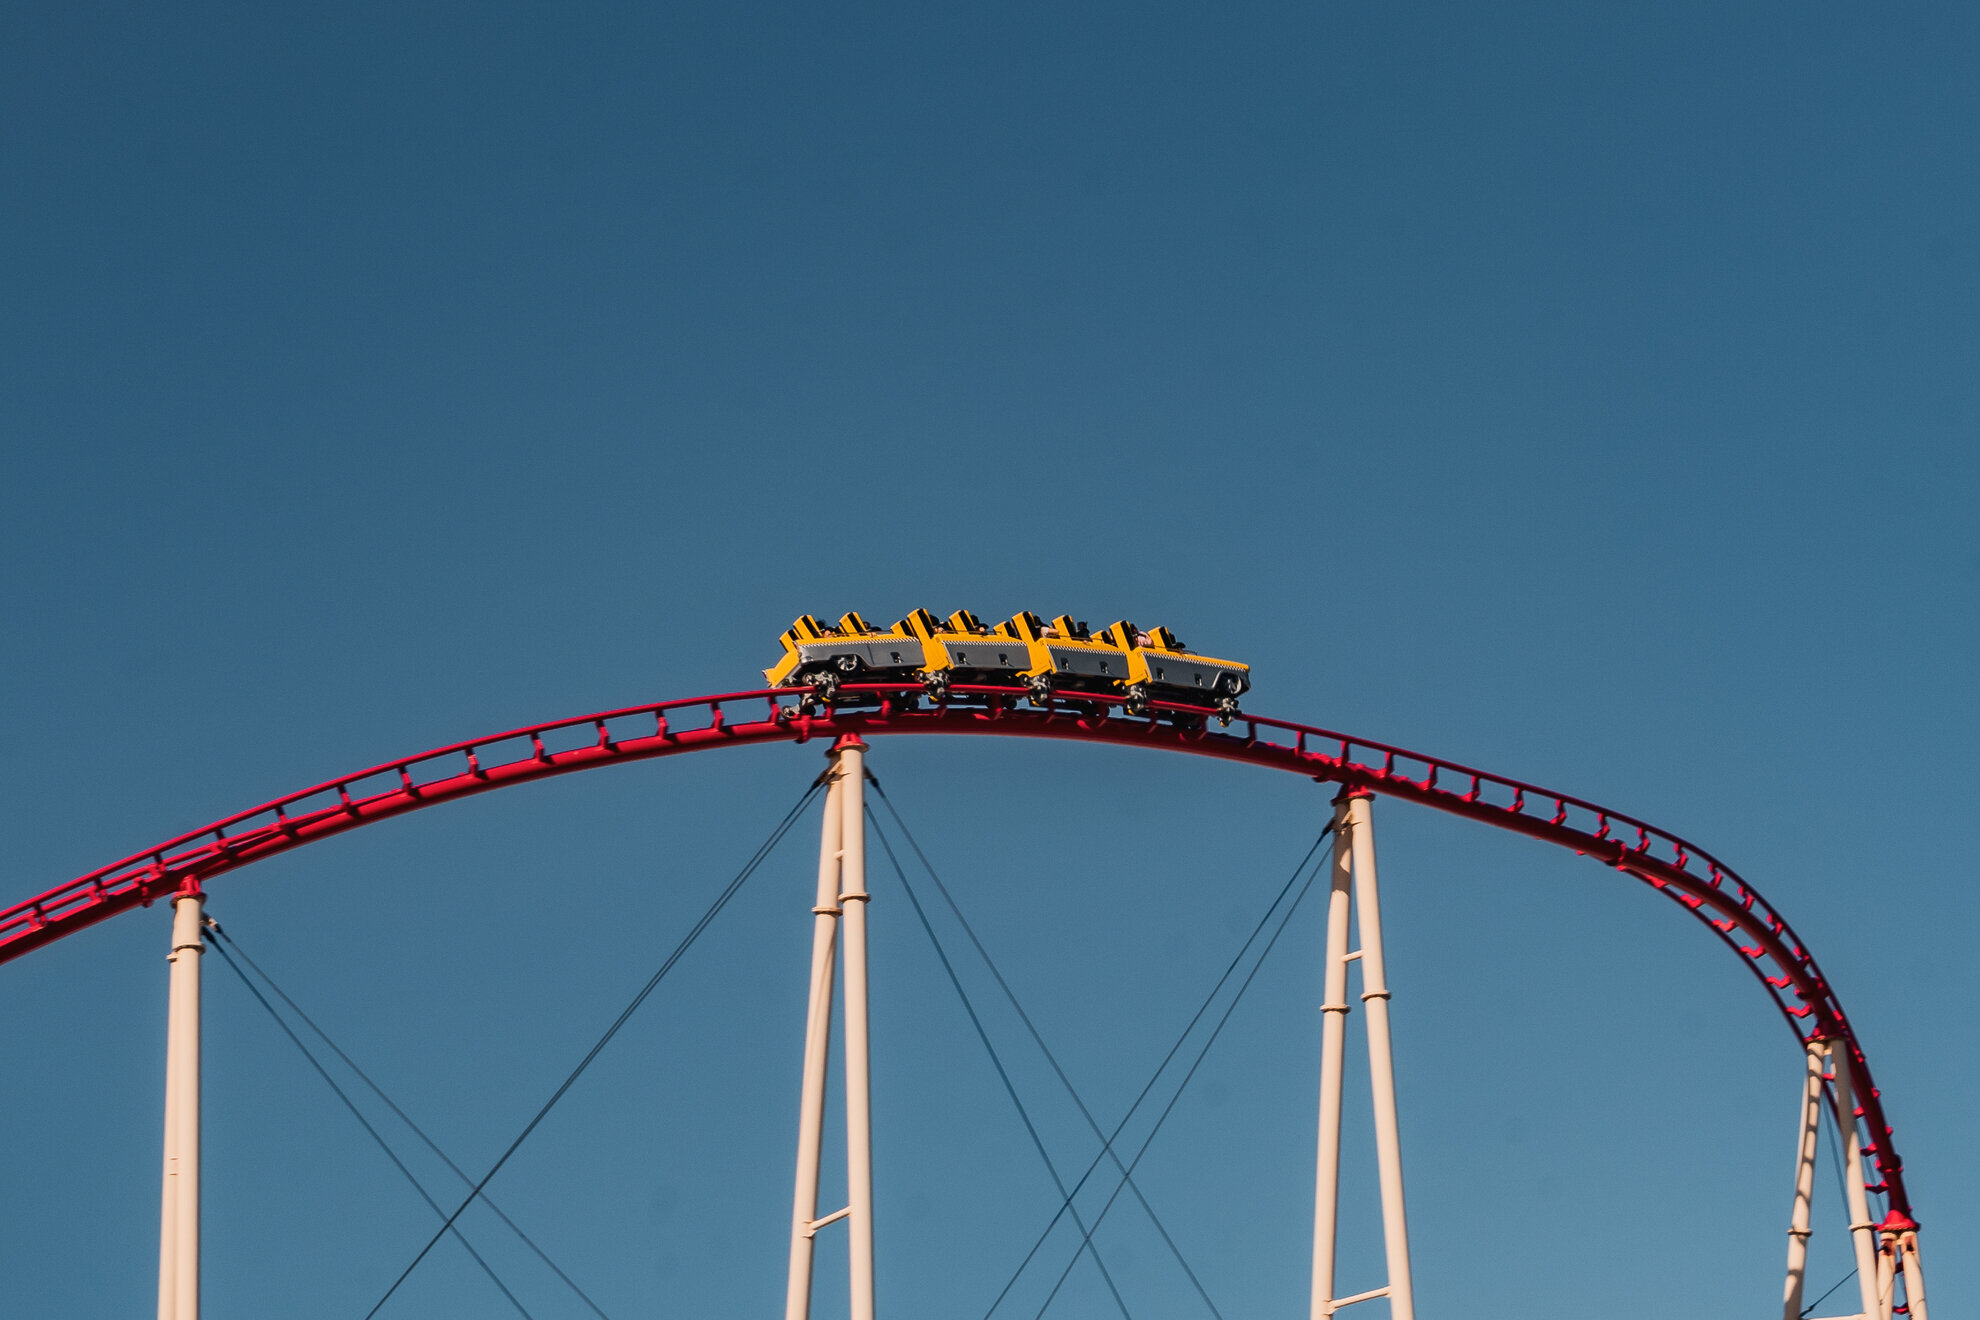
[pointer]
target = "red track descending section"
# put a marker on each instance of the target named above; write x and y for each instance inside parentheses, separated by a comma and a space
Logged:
(1704, 886)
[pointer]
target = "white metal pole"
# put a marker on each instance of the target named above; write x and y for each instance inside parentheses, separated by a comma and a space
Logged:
(859, 1094)
(178, 1237)
(1804, 1179)
(168, 1210)
(1886, 1275)
(1914, 1275)
(1862, 1233)
(1381, 1064)
(817, 1057)
(1333, 1049)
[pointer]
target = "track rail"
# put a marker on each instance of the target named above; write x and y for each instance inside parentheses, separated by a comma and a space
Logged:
(1693, 878)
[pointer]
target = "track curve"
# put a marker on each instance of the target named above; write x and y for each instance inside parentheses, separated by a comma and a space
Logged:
(1697, 881)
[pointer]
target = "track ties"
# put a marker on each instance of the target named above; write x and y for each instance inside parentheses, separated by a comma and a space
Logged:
(1717, 896)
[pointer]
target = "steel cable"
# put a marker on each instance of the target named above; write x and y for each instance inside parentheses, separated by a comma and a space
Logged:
(1162, 1067)
(1107, 1148)
(1809, 1309)
(763, 851)
(1201, 1054)
(365, 1123)
(234, 942)
(996, 1062)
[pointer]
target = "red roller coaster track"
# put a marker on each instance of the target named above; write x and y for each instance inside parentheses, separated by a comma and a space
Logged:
(1704, 886)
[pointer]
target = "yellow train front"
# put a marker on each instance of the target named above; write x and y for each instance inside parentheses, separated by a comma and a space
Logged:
(1060, 659)
(1163, 669)
(1123, 661)
(822, 657)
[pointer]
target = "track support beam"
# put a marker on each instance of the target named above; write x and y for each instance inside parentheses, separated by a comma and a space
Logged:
(1333, 1057)
(817, 1059)
(1906, 1248)
(859, 1072)
(1885, 1253)
(1354, 887)
(178, 1234)
(1807, 1139)
(838, 916)
(1862, 1229)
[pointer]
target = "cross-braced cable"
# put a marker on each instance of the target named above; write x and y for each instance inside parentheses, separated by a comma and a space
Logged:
(997, 1062)
(1038, 1039)
(1181, 1086)
(756, 860)
(220, 946)
(1162, 1067)
(233, 942)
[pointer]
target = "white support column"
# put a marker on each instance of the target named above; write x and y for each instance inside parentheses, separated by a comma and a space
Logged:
(1333, 1051)
(1914, 1274)
(859, 1097)
(1862, 1232)
(1381, 1065)
(178, 1236)
(1806, 1142)
(817, 1059)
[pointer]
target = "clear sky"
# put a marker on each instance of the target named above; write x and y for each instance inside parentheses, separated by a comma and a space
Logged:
(1584, 391)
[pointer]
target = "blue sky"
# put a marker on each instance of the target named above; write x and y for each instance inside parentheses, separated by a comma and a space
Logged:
(1583, 392)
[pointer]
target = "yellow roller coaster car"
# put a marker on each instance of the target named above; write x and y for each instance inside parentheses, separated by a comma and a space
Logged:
(853, 652)
(962, 650)
(1063, 657)
(1163, 669)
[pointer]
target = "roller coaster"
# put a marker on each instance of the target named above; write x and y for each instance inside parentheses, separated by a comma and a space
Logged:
(846, 685)
(1059, 658)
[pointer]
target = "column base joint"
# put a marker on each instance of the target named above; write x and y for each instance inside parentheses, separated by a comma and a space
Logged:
(1339, 1302)
(811, 1229)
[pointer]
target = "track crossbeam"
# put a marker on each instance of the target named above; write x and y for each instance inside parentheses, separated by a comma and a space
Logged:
(1701, 884)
